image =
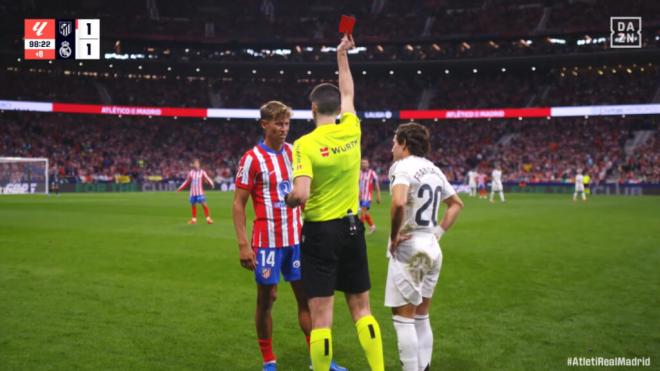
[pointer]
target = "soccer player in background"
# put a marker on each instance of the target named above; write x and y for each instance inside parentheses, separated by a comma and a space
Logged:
(326, 171)
(496, 184)
(481, 185)
(417, 187)
(196, 178)
(472, 182)
(55, 181)
(264, 174)
(587, 182)
(579, 186)
(368, 178)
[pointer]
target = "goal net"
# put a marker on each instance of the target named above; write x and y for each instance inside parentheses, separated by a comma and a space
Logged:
(20, 175)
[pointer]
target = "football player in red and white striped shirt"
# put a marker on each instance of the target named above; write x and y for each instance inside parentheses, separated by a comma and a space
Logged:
(196, 178)
(264, 173)
(368, 178)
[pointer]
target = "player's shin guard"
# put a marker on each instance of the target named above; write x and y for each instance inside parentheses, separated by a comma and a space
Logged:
(320, 348)
(194, 211)
(502, 196)
(406, 336)
(206, 210)
(424, 340)
(372, 344)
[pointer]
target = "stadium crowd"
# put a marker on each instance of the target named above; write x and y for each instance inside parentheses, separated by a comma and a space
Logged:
(97, 148)
(161, 149)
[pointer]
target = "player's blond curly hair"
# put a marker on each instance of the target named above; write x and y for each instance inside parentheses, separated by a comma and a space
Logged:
(274, 110)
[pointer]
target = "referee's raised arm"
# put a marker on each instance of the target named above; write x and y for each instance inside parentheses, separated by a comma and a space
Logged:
(326, 172)
(346, 86)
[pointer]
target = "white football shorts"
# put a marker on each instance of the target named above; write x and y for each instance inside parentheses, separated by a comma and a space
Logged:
(413, 272)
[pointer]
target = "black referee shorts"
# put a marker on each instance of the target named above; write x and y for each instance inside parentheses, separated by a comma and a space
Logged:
(332, 259)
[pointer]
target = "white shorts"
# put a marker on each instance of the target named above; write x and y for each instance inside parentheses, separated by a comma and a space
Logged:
(413, 273)
(497, 187)
(473, 185)
(579, 188)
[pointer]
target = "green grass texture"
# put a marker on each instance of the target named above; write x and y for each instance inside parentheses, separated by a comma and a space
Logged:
(119, 281)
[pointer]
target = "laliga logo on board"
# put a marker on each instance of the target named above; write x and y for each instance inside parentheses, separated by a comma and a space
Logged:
(38, 28)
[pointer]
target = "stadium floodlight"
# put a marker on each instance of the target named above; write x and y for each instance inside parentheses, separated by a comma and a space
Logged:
(21, 175)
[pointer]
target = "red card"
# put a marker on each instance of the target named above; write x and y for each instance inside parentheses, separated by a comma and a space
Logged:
(346, 24)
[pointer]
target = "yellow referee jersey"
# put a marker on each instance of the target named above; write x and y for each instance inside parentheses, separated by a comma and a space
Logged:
(330, 155)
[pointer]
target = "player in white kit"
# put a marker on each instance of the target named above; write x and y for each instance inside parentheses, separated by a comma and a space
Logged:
(472, 182)
(496, 184)
(579, 186)
(417, 186)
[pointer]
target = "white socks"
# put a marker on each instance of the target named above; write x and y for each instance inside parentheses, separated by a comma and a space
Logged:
(415, 342)
(424, 340)
(406, 336)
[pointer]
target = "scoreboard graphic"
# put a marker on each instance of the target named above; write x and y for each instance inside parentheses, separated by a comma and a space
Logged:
(48, 39)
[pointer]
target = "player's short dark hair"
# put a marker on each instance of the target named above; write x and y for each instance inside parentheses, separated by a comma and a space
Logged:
(327, 98)
(415, 137)
(274, 110)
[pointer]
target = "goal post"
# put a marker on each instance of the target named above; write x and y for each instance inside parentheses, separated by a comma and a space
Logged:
(23, 175)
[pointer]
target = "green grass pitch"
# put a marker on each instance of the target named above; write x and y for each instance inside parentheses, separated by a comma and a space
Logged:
(120, 282)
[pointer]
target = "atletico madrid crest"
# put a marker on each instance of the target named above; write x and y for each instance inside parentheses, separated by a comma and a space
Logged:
(265, 273)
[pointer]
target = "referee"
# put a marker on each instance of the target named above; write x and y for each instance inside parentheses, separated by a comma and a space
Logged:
(326, 172)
